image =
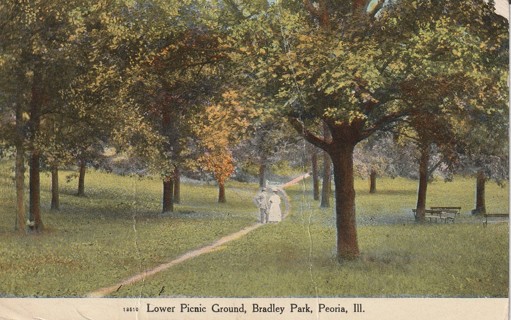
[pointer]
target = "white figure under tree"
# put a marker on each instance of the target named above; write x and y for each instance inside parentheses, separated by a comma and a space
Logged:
(274, 214)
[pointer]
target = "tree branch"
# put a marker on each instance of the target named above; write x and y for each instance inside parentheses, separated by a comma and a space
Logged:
(434, 167)
(309, 136)
(384, 122)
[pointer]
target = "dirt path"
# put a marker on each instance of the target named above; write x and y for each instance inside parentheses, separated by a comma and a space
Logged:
(190, 254)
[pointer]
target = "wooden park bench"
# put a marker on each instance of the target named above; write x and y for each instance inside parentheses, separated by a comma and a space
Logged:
(437, 215)
(494, 215)
(455, 210)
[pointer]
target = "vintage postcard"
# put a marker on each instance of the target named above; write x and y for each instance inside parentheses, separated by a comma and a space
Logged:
(254, 159)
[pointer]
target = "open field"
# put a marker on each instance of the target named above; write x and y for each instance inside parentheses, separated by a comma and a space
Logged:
(117, 231)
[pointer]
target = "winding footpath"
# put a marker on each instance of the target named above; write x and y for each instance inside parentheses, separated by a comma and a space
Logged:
(102, 292)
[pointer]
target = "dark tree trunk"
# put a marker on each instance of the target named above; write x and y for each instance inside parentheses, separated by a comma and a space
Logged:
(347, 243)
(55, 201)
(35, 193)
(480, 193)
(315, 175)
(340, 146)
(168, 181)
(20, 173)
(81, 179)
(372, 178)
(326, 188)
(177, 186)
(423, 185)
(221, 193)
(36, 223)
(168, 194)
(262, 175)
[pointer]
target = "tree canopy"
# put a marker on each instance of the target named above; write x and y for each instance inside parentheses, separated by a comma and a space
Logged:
(180, 82)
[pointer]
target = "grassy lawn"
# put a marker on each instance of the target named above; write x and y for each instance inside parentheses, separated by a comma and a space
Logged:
(117, 230)
(295, 260)
(399, 258)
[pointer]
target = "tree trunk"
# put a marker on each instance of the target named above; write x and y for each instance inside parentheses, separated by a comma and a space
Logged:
(262, 175)
(55, 201)
(221, 193)
(423, 185)
(168, 193)
(177, 186)
(81, 179)
(372, 187)
(315, 175)
(480, 193)
(20, 189)
(347, 243)
(326, 188)
(36, 223)
(20, 172)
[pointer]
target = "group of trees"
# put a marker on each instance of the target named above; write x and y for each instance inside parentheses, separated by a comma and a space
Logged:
(428, 69)
(198, 84)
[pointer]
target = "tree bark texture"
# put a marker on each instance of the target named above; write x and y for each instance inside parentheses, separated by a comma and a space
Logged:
(326, 187)
(315, 175)
(36, 223)
(35, 193)
(262, 175)
(372, 178)
(423, 184)
(55, 200)
(347, 243)
(177, 186)
(81, 178)
(20, 173)
(221, 193)
(169, 181)
(168, 195)
(480, 193)
(340, 147)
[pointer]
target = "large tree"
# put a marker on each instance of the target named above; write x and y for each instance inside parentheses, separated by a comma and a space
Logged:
(355, 65)
(176, 69)
(34, 39)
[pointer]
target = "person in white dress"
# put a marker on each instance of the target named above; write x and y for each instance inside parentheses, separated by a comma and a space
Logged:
(274, 214)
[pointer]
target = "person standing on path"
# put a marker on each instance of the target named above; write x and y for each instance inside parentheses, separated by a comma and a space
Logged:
(274, 215)
(261, 201)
